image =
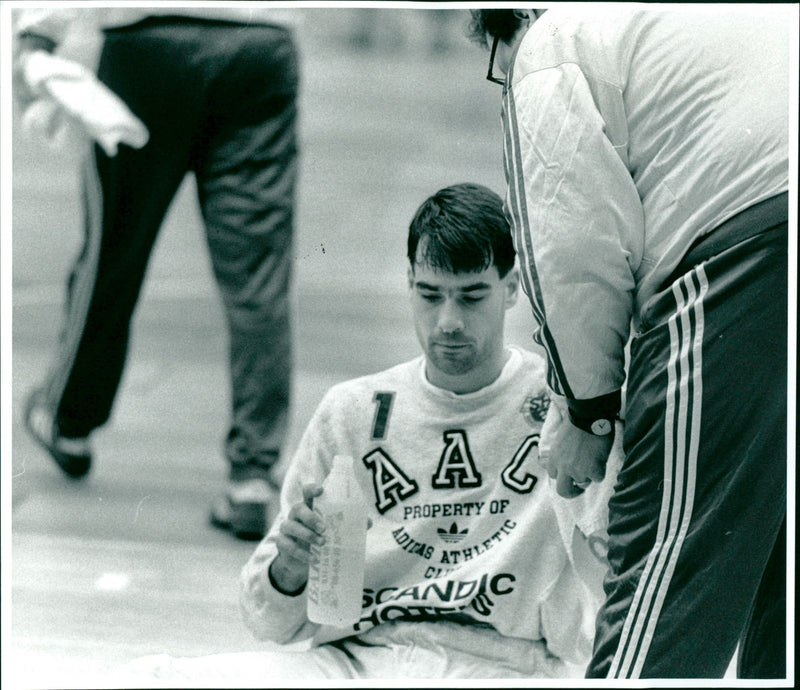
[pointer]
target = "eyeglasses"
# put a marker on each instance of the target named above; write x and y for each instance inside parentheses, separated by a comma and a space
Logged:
(489, 74)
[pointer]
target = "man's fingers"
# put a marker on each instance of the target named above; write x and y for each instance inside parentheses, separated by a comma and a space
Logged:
(597, 472)
(310, 492)
(566, 486)
(290, 549)
(294, 539)
(548, 466)
(298, 531)
(305, 515)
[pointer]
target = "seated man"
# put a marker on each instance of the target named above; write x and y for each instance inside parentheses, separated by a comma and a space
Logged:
(472, 568)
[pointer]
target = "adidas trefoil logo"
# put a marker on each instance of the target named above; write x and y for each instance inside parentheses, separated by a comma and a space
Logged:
(452, 536)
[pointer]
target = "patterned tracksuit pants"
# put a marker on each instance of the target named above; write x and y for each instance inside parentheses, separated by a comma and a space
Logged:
(219, 100)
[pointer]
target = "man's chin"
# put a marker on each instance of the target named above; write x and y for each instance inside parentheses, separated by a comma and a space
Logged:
(453, 364)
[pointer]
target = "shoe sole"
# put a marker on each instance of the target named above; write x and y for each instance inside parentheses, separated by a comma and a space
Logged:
(74, 466)
(246, 521)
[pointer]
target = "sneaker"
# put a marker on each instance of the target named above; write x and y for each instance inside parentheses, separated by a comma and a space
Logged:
(72, 455)
(247, 508)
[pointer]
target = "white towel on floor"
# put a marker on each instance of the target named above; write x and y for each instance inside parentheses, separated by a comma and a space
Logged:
(69, 94)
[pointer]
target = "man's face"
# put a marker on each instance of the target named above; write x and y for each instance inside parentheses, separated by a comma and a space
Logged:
(505, 49)
(459, 320)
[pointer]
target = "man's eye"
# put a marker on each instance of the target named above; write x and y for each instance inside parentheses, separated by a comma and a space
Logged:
(472, 299)
(429, 296)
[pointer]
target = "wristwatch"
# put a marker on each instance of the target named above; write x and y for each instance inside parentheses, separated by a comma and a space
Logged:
(595, 416)
(601, 426)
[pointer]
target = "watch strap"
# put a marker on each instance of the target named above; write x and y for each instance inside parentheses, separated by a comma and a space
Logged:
(595, 415)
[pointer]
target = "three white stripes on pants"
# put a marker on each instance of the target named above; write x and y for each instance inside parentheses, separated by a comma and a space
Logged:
(681, 438)
(82, 290)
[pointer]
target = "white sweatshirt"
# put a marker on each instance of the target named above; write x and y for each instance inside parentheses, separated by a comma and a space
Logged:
(464, 525)
(629, 134)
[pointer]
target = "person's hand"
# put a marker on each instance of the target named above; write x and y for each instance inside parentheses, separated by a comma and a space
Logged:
(301, 529)
(575, 458)
(23, 47)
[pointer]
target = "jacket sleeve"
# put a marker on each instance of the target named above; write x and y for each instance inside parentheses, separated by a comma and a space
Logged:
(268, 613)
(578, 228)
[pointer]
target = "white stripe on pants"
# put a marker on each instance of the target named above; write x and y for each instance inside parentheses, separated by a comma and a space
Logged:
(681, 435)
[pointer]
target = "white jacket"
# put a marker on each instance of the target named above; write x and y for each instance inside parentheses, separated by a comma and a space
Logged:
(629, 134)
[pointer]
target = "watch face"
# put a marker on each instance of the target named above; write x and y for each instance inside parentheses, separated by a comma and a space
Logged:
(601, 427)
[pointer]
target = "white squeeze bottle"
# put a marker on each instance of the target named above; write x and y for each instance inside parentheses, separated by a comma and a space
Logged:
(336, 580)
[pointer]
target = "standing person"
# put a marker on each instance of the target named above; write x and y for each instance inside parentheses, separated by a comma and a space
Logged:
(217, 89)
(467, 574)
(647, 166)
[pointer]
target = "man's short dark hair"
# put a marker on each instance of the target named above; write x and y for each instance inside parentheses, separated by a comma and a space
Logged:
(465, 229)
(502, 24)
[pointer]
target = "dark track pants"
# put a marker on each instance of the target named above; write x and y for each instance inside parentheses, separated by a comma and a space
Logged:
(219, 100)
(697, 520)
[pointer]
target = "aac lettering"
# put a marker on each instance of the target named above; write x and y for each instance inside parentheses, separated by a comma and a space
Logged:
(456, 469)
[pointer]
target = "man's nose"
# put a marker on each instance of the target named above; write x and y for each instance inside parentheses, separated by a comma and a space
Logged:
(450, 319)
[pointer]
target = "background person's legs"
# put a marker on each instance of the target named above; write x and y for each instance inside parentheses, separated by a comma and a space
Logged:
(125, 199)
(246, 183)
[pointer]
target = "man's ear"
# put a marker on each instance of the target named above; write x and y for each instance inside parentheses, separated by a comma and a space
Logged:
(410, 274)
(512, 287)
(525, 15)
